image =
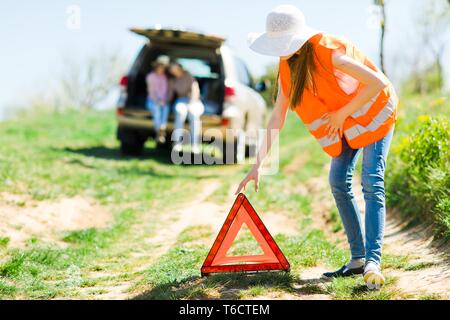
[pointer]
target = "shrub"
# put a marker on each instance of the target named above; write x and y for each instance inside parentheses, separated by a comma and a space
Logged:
(420, 181)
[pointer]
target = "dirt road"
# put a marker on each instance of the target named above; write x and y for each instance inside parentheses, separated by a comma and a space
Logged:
(427, 274)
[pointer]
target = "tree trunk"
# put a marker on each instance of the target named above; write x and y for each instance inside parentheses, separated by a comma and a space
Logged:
(440, 73)
(383, 29)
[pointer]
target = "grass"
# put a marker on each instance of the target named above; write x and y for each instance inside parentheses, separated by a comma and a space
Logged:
(4, 241)
(418, 266)
(335, 220)
(49, 156)
(43, 271)
(83, 157)
(68, 154)
(395, 261)
(430, 297)
(7, 290)
(355, 289)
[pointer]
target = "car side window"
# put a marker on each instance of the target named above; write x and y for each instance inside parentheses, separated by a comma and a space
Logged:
(242, 72)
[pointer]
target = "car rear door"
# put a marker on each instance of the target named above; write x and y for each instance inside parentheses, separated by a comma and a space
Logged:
(176, 36)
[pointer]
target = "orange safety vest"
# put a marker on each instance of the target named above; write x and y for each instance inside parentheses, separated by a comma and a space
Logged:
(368, 124)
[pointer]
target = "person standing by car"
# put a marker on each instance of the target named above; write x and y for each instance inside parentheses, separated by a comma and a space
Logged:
(157, 100)
(187, 105)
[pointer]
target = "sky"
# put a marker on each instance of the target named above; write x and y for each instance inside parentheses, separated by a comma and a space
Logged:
(38, 36)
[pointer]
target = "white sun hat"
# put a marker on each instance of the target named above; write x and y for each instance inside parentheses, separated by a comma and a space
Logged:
(286, 32)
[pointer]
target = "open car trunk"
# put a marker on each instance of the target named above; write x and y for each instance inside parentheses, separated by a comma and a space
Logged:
(197, 53)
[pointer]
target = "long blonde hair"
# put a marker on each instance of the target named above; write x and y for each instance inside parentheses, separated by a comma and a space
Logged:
(302, 68)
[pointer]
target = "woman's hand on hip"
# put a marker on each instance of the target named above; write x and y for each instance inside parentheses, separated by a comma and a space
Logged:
(252, 175)
(335, 123)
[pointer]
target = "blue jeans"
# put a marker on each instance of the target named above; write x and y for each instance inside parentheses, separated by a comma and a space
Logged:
(181, 113)
(160, 114)
(366, 246)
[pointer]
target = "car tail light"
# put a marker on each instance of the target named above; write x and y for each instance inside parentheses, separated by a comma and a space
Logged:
(225, 122)
(123, 81)
(229, 92)
(120, 111)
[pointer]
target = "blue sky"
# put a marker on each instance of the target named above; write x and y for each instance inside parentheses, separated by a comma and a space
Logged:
(35, 39)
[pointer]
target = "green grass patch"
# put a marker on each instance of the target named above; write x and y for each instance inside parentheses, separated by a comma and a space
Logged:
(42, 271)
(394, 261)
(4, 241)
(335, 220)
(418, 266)
(194, 233)
(434, 296)
(7, 290)
(354, 288)
(87, 236)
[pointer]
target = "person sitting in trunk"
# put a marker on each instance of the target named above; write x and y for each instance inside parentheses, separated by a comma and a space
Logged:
(157, 100)
(187, 105)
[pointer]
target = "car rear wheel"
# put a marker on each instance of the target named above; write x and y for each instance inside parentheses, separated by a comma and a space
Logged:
(131, 142)
(131, 148)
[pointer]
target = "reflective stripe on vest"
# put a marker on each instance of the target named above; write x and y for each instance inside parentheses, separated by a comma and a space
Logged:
(316, 124)
(377, 121)
(325, 141)
(365, 108)
(358, 129)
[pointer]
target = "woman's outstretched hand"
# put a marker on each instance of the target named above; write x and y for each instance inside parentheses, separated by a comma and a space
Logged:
(252, 175)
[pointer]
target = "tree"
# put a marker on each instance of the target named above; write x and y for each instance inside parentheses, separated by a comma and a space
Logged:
(381, 4)
(433, 30)
(85, 84)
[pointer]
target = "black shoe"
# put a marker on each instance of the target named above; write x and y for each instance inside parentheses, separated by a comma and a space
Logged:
(344, 272)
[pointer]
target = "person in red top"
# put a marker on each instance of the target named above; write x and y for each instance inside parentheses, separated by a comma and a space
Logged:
(350, 107)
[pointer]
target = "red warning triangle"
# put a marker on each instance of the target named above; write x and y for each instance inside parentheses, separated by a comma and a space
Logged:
(217, 260)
